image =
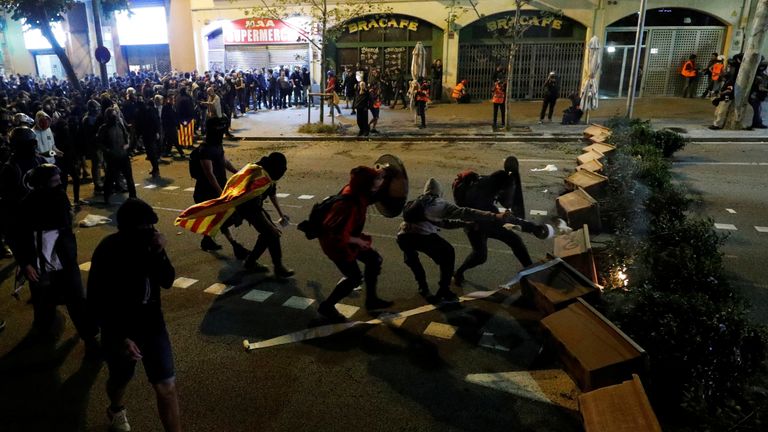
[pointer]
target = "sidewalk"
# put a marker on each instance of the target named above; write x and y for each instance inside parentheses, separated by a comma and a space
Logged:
(472, 122)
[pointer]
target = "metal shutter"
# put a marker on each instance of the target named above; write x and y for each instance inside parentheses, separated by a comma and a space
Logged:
(246, 57)
(216, 51)
(288, 55)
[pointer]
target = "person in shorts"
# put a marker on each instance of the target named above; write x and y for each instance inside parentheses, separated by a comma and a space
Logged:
(128, 269)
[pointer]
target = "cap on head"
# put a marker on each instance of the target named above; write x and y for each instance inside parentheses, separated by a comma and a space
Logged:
(135, 213)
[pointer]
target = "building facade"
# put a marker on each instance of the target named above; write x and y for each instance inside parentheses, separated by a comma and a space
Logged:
(220, 35)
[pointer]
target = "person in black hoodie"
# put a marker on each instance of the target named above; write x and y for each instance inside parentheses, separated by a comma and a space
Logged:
(128, 268)
(361, 104)
(551, 93)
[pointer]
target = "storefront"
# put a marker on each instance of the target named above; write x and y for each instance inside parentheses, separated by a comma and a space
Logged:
(384, 42)
(255, 43)
(143, 37)
(550, 43)
(671, 36)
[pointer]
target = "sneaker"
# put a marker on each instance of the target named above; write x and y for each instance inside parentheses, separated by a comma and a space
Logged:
(446, 296)
(207, 244)
(330, 312)
(118, 421)
(255, 266)
(458, 279)
(374, 131)
(283, 272)
(376, 303)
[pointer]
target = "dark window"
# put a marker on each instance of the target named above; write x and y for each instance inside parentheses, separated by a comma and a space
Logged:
(670, 17)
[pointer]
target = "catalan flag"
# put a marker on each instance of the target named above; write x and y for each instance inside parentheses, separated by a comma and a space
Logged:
(186, 133)
(207, 217)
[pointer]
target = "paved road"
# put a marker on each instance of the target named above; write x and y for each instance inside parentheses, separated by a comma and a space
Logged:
(731, 181)
(473, 367)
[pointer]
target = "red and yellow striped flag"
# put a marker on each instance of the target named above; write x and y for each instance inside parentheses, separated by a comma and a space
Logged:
(186, 133)
(207, 217)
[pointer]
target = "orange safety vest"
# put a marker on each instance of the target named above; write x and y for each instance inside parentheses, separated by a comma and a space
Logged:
(717, 69)
(689, 70)
(457, 91)
(499, 94)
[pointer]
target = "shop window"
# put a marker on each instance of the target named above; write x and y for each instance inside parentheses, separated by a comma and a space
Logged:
(347, 57)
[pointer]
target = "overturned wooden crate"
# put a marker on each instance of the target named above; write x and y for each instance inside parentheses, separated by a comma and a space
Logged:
(597, 133)
(594, 166)
(603, 148)
(578, 208)
(589, 156)
(556, 287)
(594, 351)
(618, 408)
(592, 183)
(575, 248)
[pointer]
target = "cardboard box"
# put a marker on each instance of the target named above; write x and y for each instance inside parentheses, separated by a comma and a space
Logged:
(603, 148)
(597, 133)
(589, 156)
(575, 248)
(578, 208)
(556, 287)
(619, 408)
(592, 183)
(594, 351)
(594, 166)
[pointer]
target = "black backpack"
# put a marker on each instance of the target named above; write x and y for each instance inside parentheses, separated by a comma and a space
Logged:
(195, 169)
(414, 210)
(312, 227)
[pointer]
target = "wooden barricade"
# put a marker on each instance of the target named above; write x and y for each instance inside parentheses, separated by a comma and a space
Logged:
(618, 408)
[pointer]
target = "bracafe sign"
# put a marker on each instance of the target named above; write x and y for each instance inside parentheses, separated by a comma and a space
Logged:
(250, 31)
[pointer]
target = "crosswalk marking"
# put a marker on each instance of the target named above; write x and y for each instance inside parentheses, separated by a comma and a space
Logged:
(297, 302)
(86, 266)
(442, 331)
(346, 310)
(170, 188)
(723, 226)
(731, 211)
(217, 289)
(305, 197)
(150, 186)
(539, 212)
(761, 229)
(283, 195)
(189, 189)
(257, 295)
(183, 282)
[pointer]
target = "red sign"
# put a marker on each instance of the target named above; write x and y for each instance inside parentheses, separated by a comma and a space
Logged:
(249, 31)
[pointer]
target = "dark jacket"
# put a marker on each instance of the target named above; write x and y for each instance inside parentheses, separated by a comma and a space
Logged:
(112, 139)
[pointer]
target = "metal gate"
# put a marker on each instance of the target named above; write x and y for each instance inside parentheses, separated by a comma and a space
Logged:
(668, 48)
(534, 61)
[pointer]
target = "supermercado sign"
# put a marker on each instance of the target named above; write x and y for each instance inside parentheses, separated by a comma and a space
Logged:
(251, 31)
(367, 24)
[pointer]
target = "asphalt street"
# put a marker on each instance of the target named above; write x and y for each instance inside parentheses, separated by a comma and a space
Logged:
(477, 366)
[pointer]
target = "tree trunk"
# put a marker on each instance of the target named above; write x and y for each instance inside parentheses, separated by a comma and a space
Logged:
(748, 70)
(508, 96)
(323, 67)
(45, 29)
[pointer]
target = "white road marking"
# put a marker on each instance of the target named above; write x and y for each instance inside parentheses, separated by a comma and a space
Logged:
(257, 295)
(305, 197)
(183, 282)
(347, 310)
(189, 189)
(86, 266)
(217, 289)
(729, 227)
(170, 188)
(442, 331)
(392, 319)
(282, 195)
(761, 229)
(539, 212)
(731, 211)
(150, 186)
(297, 302)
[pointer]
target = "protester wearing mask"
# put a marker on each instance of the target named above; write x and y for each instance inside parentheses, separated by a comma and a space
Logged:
(113, 139)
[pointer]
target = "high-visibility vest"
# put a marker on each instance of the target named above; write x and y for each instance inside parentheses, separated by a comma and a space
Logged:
(717, 69)
(457, 91)
(499, 94)
(689, 70)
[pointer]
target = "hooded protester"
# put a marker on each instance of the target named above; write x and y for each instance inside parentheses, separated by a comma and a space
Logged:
(361, 105)
(423, 218)
(113, 139)
(551, 94)
(89, 128)
(45, 249)
(343, 241)
(128, 269)
(46, 146)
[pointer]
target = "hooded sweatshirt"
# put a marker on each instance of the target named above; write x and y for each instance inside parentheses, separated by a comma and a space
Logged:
(440, 213)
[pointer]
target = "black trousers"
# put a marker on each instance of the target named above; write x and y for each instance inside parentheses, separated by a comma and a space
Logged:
(433, 246)
(549, 102)
(70, 168)
(267, 239)
(44, 307)
(362, 122)
(757, 115)
(399, 93)
(115, 167)
(154, 152)
(353, 277)
(478, 238)
(500, 107)
(421, 110)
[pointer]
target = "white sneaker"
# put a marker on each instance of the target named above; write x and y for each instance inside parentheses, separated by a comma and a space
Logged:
(118, 421)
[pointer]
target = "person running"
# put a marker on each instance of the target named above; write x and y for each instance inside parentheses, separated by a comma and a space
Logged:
(128, 268)
(343, 241)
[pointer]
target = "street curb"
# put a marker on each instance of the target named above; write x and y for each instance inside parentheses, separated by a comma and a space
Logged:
(477, 138)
